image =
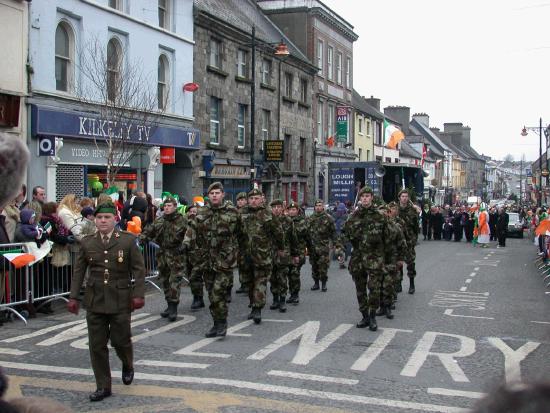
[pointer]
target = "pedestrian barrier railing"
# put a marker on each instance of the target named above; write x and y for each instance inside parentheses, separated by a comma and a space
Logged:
(14, 280)
(149, 257)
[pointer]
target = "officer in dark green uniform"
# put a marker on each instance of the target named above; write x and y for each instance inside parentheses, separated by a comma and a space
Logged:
(113, 260)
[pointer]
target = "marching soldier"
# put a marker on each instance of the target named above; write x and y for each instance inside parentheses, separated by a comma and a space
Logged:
(168, 232)
(244, 267)
(112, 258)
(214, 235)
(196, 283)
(261, 234)
(409, 215)
(322, 230)
(400, 224)
(300, 228)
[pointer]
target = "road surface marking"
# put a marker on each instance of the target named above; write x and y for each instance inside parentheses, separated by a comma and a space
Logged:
(468, 281)
(486, 258)
(513, 358)
(456, 299)
(476, 269)
(312, 377)
(541, 322)
(12, 351)
(42, 331)
(463, 289)
(376, 348)
(276, 320)
(449, 312)
(308, 347)
(268, 388)
(492, 263)
(160, 363)
(458, 393)
(473, 274)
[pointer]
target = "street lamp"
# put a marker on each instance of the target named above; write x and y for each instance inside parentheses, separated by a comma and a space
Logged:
(545, 173)
(280, 51)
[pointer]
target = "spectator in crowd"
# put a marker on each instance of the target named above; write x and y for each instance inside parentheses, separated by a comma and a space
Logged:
(425, 218)
(27, 229)
(86, 202)
(125, 215)
(39, 194)
(151, 214)
(119, 203)
(502, 227)
(12, 214)
(436, 222)
(493, 223)
(69, 214)
(88, 222)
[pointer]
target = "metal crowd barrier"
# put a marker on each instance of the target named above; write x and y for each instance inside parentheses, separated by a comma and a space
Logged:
(149, 257)
(14, 282)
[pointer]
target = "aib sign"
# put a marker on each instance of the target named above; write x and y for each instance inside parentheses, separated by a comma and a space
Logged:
(46, 146)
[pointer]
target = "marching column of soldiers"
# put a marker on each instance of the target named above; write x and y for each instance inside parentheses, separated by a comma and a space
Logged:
(266, 243)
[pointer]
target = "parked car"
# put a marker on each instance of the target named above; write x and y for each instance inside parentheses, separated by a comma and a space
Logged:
(515, 226)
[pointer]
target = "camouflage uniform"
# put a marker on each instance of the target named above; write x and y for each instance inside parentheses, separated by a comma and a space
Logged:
(245, 277)
(194, 271)
(260, 234)
(397, 251)
(398, 276)
(302, 234)
(168, 232)
(409, 215)
(322, 230)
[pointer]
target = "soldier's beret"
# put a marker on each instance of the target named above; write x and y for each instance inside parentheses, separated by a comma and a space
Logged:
(215, 185)
(383, 207)
(105, 208)
(254, 192)
(241, 195)
(319, 201)
(293, 204)
(392, 204)
(276, 202)
(170, 200)
(366, 190)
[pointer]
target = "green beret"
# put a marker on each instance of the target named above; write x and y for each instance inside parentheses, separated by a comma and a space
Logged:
(170, 200)
(365, 190)
(319, 201)
(105, 208)
(215, 185)
(276, 202)
(254, 192)
(293, 204)
(392, 204)
(383, 207)
(241, 195)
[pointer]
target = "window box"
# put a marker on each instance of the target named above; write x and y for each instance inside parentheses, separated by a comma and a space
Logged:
(240, 149)
(268, 87)
(243, 79)
(304, 105)
(216, 146)
(213, 69)
(289, 100)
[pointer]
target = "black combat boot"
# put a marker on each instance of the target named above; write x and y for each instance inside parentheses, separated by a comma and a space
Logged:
(324, 286)
(389, 314)
(381, 311)
(164, 313)
(411, 286)
(256, 315)
(198, 302)
(282, 303)
(275, 304)
(228, 296)
(172, 311)
(293, 299)
(398, 287)
(315, 286)
(372, 316)
(222, 328)
(392, 306)
(365, 321)
(213, 332)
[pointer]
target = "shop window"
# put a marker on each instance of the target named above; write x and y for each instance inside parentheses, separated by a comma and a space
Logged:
(294, 191)
(215, 106)
(63, 56)
(162, 85)
(241, 125)
(302, 195)
(114, 64)
(69, 179)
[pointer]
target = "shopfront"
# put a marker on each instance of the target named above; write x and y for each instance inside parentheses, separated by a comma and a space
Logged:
(235, 177)
(75, 151)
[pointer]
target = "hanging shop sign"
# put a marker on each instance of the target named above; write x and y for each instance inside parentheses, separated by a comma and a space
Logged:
(167, 155)
(274, 150)
(342, 124)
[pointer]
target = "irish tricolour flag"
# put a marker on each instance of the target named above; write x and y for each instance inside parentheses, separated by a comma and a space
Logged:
(19, 259)
(392, 135)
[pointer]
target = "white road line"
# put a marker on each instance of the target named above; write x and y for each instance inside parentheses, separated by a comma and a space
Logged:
(160, 363)
(449, 312)
(476, 269)
(269, 388)
(276, 320)
(462, 289)
(312, 377)
(541, 322)
(43, 331)
(12, 351)
(468, 281)
(459, 393)
(485, 258)
(472, 274)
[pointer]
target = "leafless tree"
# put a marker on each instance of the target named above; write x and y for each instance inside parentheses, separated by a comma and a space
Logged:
(123, 100)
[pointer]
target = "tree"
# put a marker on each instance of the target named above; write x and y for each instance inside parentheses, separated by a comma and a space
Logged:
(509, 158)
(124, 104)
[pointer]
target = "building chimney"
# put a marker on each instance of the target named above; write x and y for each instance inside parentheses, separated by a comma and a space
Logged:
(374, 102)
(422, 118)
(401, 114)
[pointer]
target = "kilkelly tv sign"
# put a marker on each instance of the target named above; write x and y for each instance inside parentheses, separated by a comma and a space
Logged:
(49, 122)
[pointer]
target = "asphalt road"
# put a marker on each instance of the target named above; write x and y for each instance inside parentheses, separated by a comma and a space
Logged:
(479, 317)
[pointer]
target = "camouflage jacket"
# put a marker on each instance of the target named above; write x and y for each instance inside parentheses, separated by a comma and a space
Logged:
(261, 234)
(289, 238)
(410, 216)
(302, 234)
(397, 245)
(321, 230)
(214, 235)
(167, 232)
(368, 232)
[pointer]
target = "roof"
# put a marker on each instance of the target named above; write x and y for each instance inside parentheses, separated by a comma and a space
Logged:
(420, 138)
(243, 14)
(407, 150)
(361, 104)
(464, 155)
(430, 135)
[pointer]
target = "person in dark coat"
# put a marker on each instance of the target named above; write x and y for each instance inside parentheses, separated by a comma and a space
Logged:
(425, 217)
(469, 226)
(457, 225)
(436, 223)
(502, 227)
(493, 223)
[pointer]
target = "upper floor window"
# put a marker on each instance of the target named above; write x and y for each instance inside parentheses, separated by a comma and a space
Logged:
(162, 85)
(63, 57)
(304, 90)
(339, 68)
(114, 63)
(320, 56)
(348, 73)
(164, 13)
(266, 123)
(320, 115)
(215, 53)
(331, 117)
(266, 71)
(115, 4)
(242, 63)
(241, 126)
(330, 62)
(288, 84)
(215, 106)
(360, 126)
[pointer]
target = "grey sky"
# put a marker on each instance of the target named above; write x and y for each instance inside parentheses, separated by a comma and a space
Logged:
(485, 63)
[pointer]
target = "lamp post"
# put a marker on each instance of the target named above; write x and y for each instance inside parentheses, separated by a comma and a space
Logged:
(539, 131)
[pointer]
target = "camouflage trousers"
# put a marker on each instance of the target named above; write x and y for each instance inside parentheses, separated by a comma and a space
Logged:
(319, 260)
(196, 282)
(294, 277)
(258, 286)
(411, 269)
(171, 269)
(279, 279)
(388, 294)
(244, 272)
(371, 281)
(217, 283)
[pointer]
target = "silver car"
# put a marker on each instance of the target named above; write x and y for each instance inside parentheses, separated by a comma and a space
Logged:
(515, 226)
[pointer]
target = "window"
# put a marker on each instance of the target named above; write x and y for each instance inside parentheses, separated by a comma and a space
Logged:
(304, 90)
(63, 64)
(360, 154)
(215, 106)
(320, 57)
(288, 153)
(241, 128)
(339, 68)
(330, 120)
(288, 84)
(302, 154)
(348, 73)
(368, 155)
(368, 126)
(266, 71)
(320, 109)
(360, 126)
(162, 85)
(266, 123)
(215, 53)
(115, 4)
(114, 63)
(330, 56)
(242, 59)
(164, 13)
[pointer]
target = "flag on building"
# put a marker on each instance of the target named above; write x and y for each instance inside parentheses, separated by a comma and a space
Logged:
(392, 135)
(424, 153)
(330, 141)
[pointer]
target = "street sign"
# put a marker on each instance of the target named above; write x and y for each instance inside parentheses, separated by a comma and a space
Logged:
(342, 124)
(274, 150)
(46, 146)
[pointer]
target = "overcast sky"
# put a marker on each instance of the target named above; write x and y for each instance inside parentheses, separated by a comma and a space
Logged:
(485, 63)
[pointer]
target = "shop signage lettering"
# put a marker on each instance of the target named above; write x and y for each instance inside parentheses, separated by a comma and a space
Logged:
(230, 171)
(94, 153)
(342, 124)
(101, 128)
(274, 150)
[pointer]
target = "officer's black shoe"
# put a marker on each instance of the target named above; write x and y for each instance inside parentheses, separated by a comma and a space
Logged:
(365, 321)
(172, 311)
(398, 287)
(256, 315)
(222, 328)
(198, 302)
(164, 313)
(293, 299)
(324, 286)
(389, 314)
(372, 316)
(99, 395)
(411, 286)
(127, 376)
(213, 332)
(381, 311)
(282, 304)
(315, 286)
(275, 304)
(241, 290)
